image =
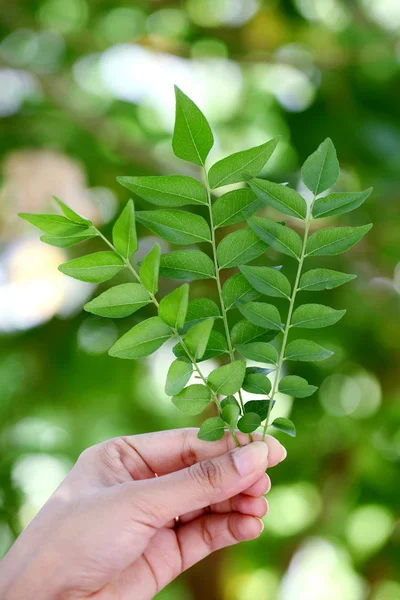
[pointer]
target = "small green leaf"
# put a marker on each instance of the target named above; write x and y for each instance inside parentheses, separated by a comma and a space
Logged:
(186, 264)
(94, 268)
(244, 332)
(279, 237)
(235, 206)
(314, 316)
(335, 240)
(124, 231)
(230, 400)
(173, 307)
(71, 214)
(323, 279)
(268, 281)
(200, 309)
(241, 166)
(193, 138)
(239, 248)
(178, 375)
(68, 240)
(197, 337)
(321, 170)
(192, 400)
(169, 191)
(259, 352)
(54, 225)
(230, 414)
(212, 430)
(228, 379)
(215, 347)
(176, 226)
(292, 385)
(260, 407)
(143, 339)
(280, 197)
(262, 314)
(149, 269)
(306, 350)
(237, 288)
(249, 422)
(285, 425)
(119, 301)
(339, 203)
(256, 383)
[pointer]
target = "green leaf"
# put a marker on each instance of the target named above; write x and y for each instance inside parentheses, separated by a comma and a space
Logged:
(279, 237)
(249, 422)
(176, 226)
(119, 301)
(192, 400)
(186, 264)
(197, 337)
(256, 383)
(149, 269)
(339, 203)
(124, 231)
(314, 316)
(54, 225)
(321, 170)
(178, 375)
(94, 268)
(66, 241)
(323, 279)
(230, 400)
(168, 191)
(143, 339)
(239, 248)
(230, 414)
(193, 138)
(259, 352)
(200, 309)
(296, 386)
(71, 214)
(212, 430)
(241, 166)
(306, 350)
(268, 281)
(237, 289)
(228, 379)
(280, 197)
(260, 407)
(173, 307)
(335, 240)
(234, 207)
(285, 425)
(262, 314)
(244, 332)
(215, 347)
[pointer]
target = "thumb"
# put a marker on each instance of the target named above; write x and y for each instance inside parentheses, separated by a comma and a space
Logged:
(200, 485)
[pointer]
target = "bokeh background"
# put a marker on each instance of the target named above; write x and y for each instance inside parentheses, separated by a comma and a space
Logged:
(86, 94)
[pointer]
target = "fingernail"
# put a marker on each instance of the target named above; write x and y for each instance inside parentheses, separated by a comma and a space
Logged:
(250, 458)
(284, 453)
(262, 525)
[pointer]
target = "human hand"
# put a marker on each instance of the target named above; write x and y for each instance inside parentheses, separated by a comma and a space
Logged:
(109, 531)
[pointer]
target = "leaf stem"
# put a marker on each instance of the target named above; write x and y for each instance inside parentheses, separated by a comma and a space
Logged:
(288, 322)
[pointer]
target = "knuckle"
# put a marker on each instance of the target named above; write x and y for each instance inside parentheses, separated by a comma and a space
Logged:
(207, 474)
(206, 534)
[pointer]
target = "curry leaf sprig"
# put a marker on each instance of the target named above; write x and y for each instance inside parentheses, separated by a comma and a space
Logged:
(194, 323)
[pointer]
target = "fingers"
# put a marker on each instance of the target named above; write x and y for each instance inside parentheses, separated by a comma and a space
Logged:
(167, 451)
(203, 536)
(203, 484)
(260, 487)
(246, 505)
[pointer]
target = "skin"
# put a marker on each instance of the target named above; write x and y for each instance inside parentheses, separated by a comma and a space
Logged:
(109, 532)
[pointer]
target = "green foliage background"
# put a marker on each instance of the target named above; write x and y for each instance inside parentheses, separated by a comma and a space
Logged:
(86, 95)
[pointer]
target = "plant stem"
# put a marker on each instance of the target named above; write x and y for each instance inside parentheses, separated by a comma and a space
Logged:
(176, 332)
(288, 322)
